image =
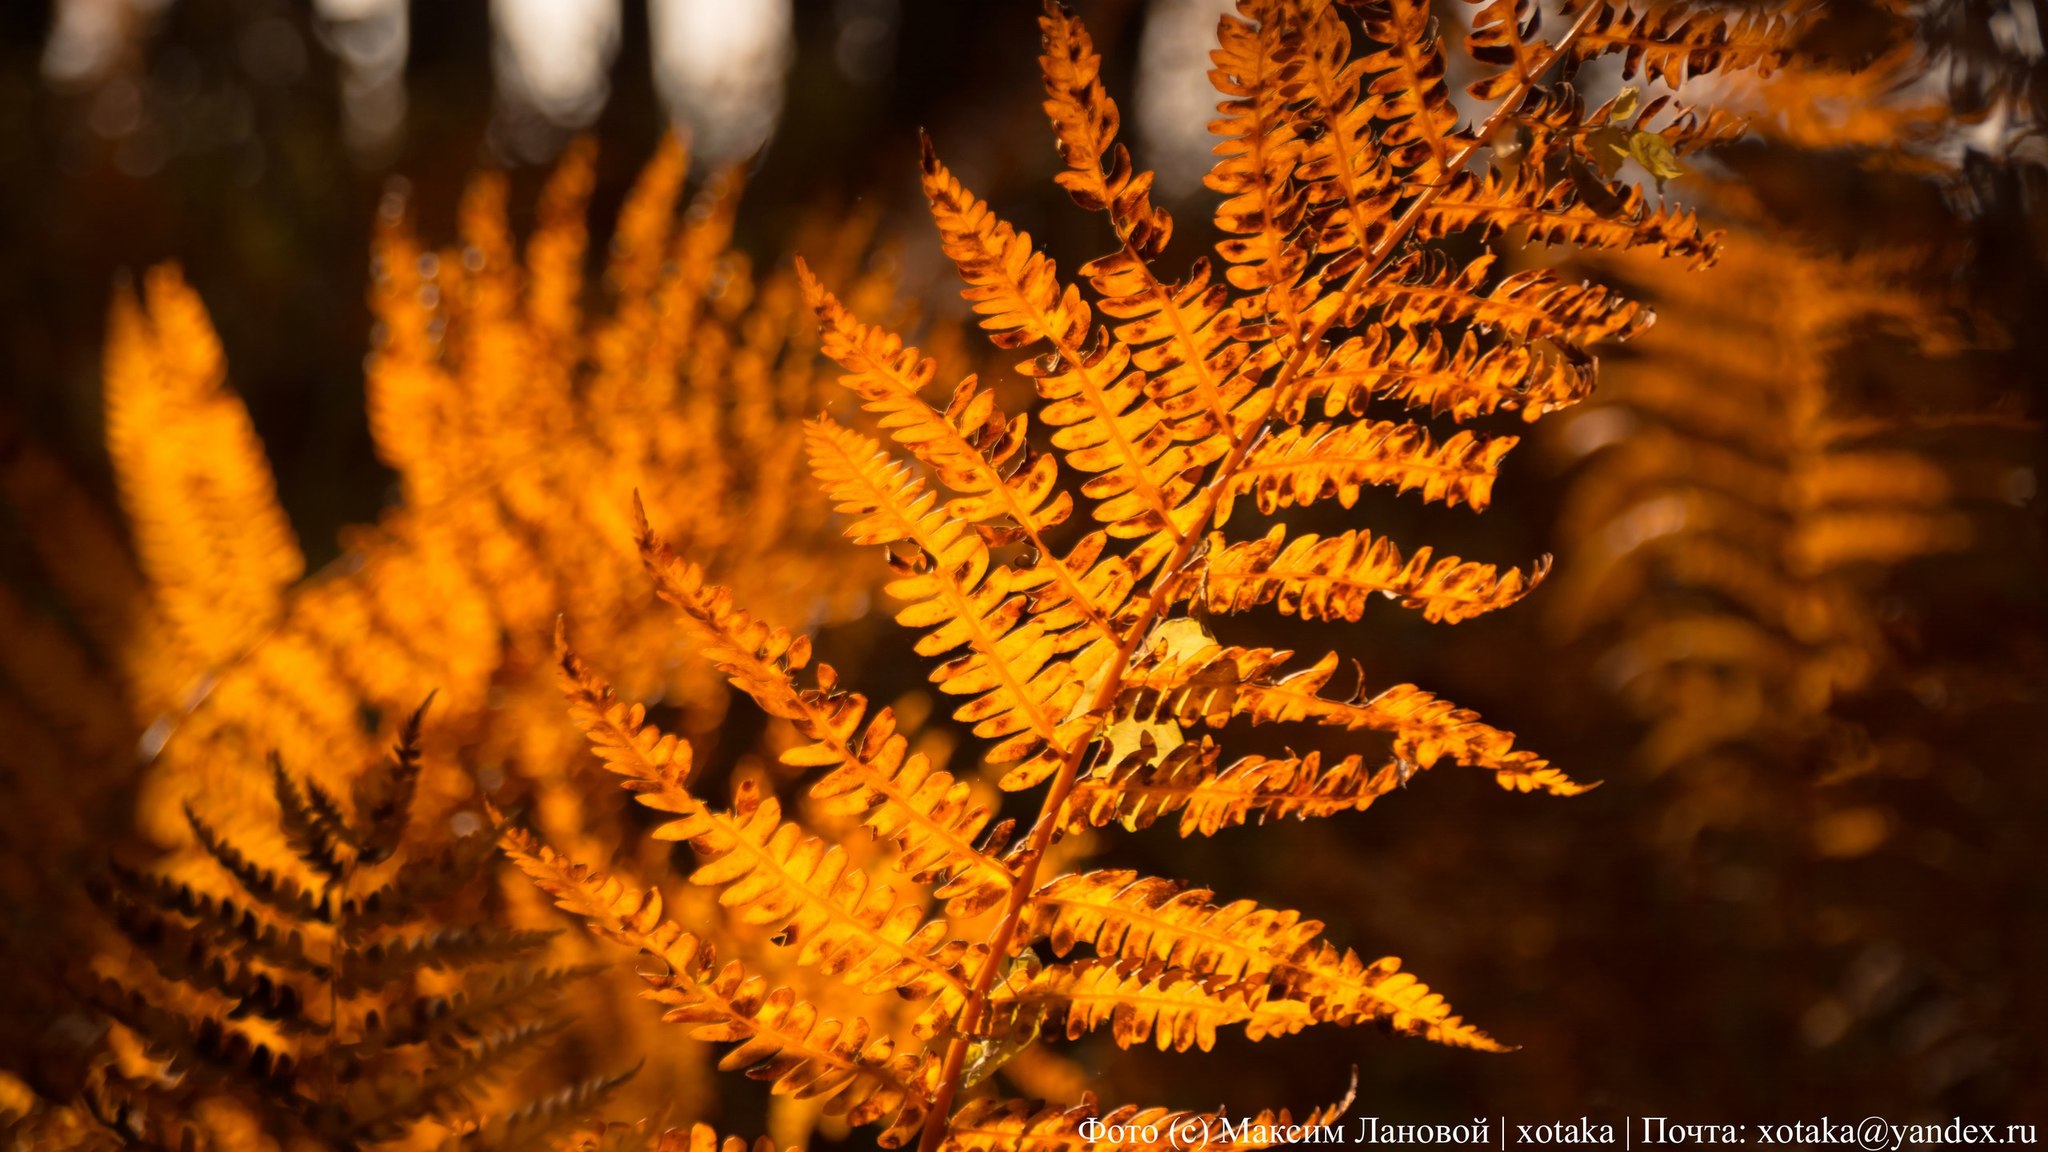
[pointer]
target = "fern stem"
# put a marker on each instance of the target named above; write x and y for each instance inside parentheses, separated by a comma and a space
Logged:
(1159, 596)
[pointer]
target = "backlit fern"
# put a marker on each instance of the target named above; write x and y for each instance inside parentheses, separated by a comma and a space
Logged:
(519, 422)
(520, 414)
(1063, 580)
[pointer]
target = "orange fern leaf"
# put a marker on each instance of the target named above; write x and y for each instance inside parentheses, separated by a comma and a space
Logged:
(771, 873)
(1332, 578)
(1212, 686)
(780, 1038)
(1139, 790)
(1107, 426)
(1300, 466)
(198, 491)
(899, 795)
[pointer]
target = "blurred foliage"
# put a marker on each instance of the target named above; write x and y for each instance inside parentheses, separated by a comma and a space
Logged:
(1757, 934)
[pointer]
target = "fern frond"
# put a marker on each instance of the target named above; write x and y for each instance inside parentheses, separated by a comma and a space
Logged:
(974, 451)
(205, 1045)
(389, 961)
(655, 764)
(1345, 989)
(521, 1128)
(464, 1015)
(1299, 466)
(312, 823)
(1559, 214)
(1099, 175)
(773, 874)
(221, 918)
(930, 816)
(1672, 42)
(781, 1039)
(1020, 687)
(1213, 686)
(1149, 920)
(1422, 372)
(1108, 428)
(426, 878)
(1532, 304)
(1345, 164)
(1289, 975)
(1501, 35)
(188, 956)
(555, 254)
(1729, 538)
(1260, 149)
(1332, 578)
(265, 885)
(459, 1075)
(1179, 334)
(384, 798)
(810, 896)
(1170, 1008)
(641, 240)
(212, 539)
(1139, 790)
(1409, 82)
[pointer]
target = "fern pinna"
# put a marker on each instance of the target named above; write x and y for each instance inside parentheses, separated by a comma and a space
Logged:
(1080, 653)
(324, 998)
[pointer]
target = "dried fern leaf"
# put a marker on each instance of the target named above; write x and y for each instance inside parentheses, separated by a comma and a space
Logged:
(187, 956)
(1409, 82)
(1558, 213)
(221, 918)
(392, 960)
(781, 1040)
(1155, 921)
(1671, 42)
(206, 1046)
(1532, 304)
(1213, 686)
(1301, 465)
(772, 873)
(1289, 975)
(514, 997)
(1333, 578)
(386, 1108)
(1139, 790)
(212, 539)
(1108, 428)
(424, 880)
(1421, 371)
(1346, 167)
(1172, 1009)
(1179, 334)
(523, 1128)
(313, 824)
(265, 885)
(973, 450)
(384, 798)
(923, 810)
(1020, 687)
(1259, 149)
